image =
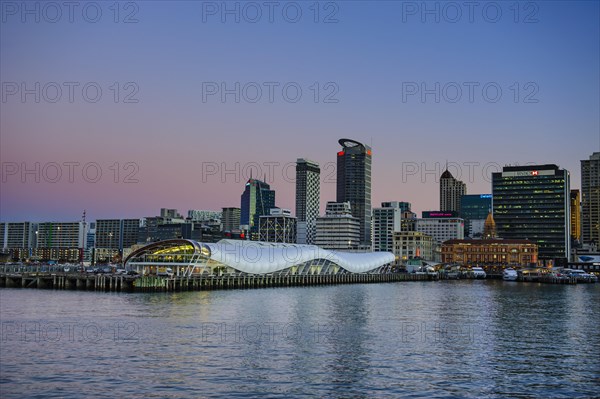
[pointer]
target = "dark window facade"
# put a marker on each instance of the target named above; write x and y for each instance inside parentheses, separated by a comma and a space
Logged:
(532, 203)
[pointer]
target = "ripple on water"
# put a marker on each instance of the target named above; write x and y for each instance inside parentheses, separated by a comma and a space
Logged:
(438, 340)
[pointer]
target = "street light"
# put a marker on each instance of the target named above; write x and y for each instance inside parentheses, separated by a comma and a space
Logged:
(110, 235)
(58, 244)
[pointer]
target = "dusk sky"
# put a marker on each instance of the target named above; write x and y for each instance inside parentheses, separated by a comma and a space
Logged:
(503, 83)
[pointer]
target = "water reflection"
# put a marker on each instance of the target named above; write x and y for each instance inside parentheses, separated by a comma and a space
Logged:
(348, 360)
(438, 339)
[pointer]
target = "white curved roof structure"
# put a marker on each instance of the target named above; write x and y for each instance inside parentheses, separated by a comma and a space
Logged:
(265, 257)
(255, 257)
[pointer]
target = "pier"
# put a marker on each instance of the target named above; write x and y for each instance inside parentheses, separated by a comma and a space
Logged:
(125, 283)
(54, 278)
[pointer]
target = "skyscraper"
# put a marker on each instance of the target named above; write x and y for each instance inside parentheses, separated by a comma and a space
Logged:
(590, 199)
(575, 215)
(257, 200)
(451, 191)
(307, 199)
(354, 184)
(532, 202)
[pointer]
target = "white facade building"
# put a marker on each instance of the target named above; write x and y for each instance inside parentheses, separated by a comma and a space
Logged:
(338, 229)
(442, 229)
(386, 221)
(413, 244)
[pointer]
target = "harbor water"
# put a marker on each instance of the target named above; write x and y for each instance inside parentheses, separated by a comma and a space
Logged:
(443, 339)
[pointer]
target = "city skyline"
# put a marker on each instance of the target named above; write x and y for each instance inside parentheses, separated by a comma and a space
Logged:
(292, 198)
(289, 182)
(167, 138)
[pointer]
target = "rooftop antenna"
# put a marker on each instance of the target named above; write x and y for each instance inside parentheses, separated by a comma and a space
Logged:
(84, 236)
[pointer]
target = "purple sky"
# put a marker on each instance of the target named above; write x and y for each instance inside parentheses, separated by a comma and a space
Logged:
(162, 123)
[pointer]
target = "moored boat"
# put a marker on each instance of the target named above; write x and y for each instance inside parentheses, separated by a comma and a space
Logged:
(509, 274)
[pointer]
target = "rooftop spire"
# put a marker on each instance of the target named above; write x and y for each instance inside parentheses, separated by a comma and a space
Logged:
(489, 227)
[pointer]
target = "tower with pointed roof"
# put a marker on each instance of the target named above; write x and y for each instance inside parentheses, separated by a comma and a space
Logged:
(451, 191)
(489, 228)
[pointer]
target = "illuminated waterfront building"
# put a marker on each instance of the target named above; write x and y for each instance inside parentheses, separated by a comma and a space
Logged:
(412, 244)
(497, 252)
(189, 257)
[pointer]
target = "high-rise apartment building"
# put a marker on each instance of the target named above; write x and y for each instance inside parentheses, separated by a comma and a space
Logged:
(18, 239)
(354, 184)
(61, 241)
(590, 199)
(307, 199)
(386, 221)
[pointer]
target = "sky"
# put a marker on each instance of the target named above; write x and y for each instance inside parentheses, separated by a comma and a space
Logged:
(125, 108)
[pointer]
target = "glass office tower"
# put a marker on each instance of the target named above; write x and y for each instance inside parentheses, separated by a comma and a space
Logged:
(533, 202)
(257, 200)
